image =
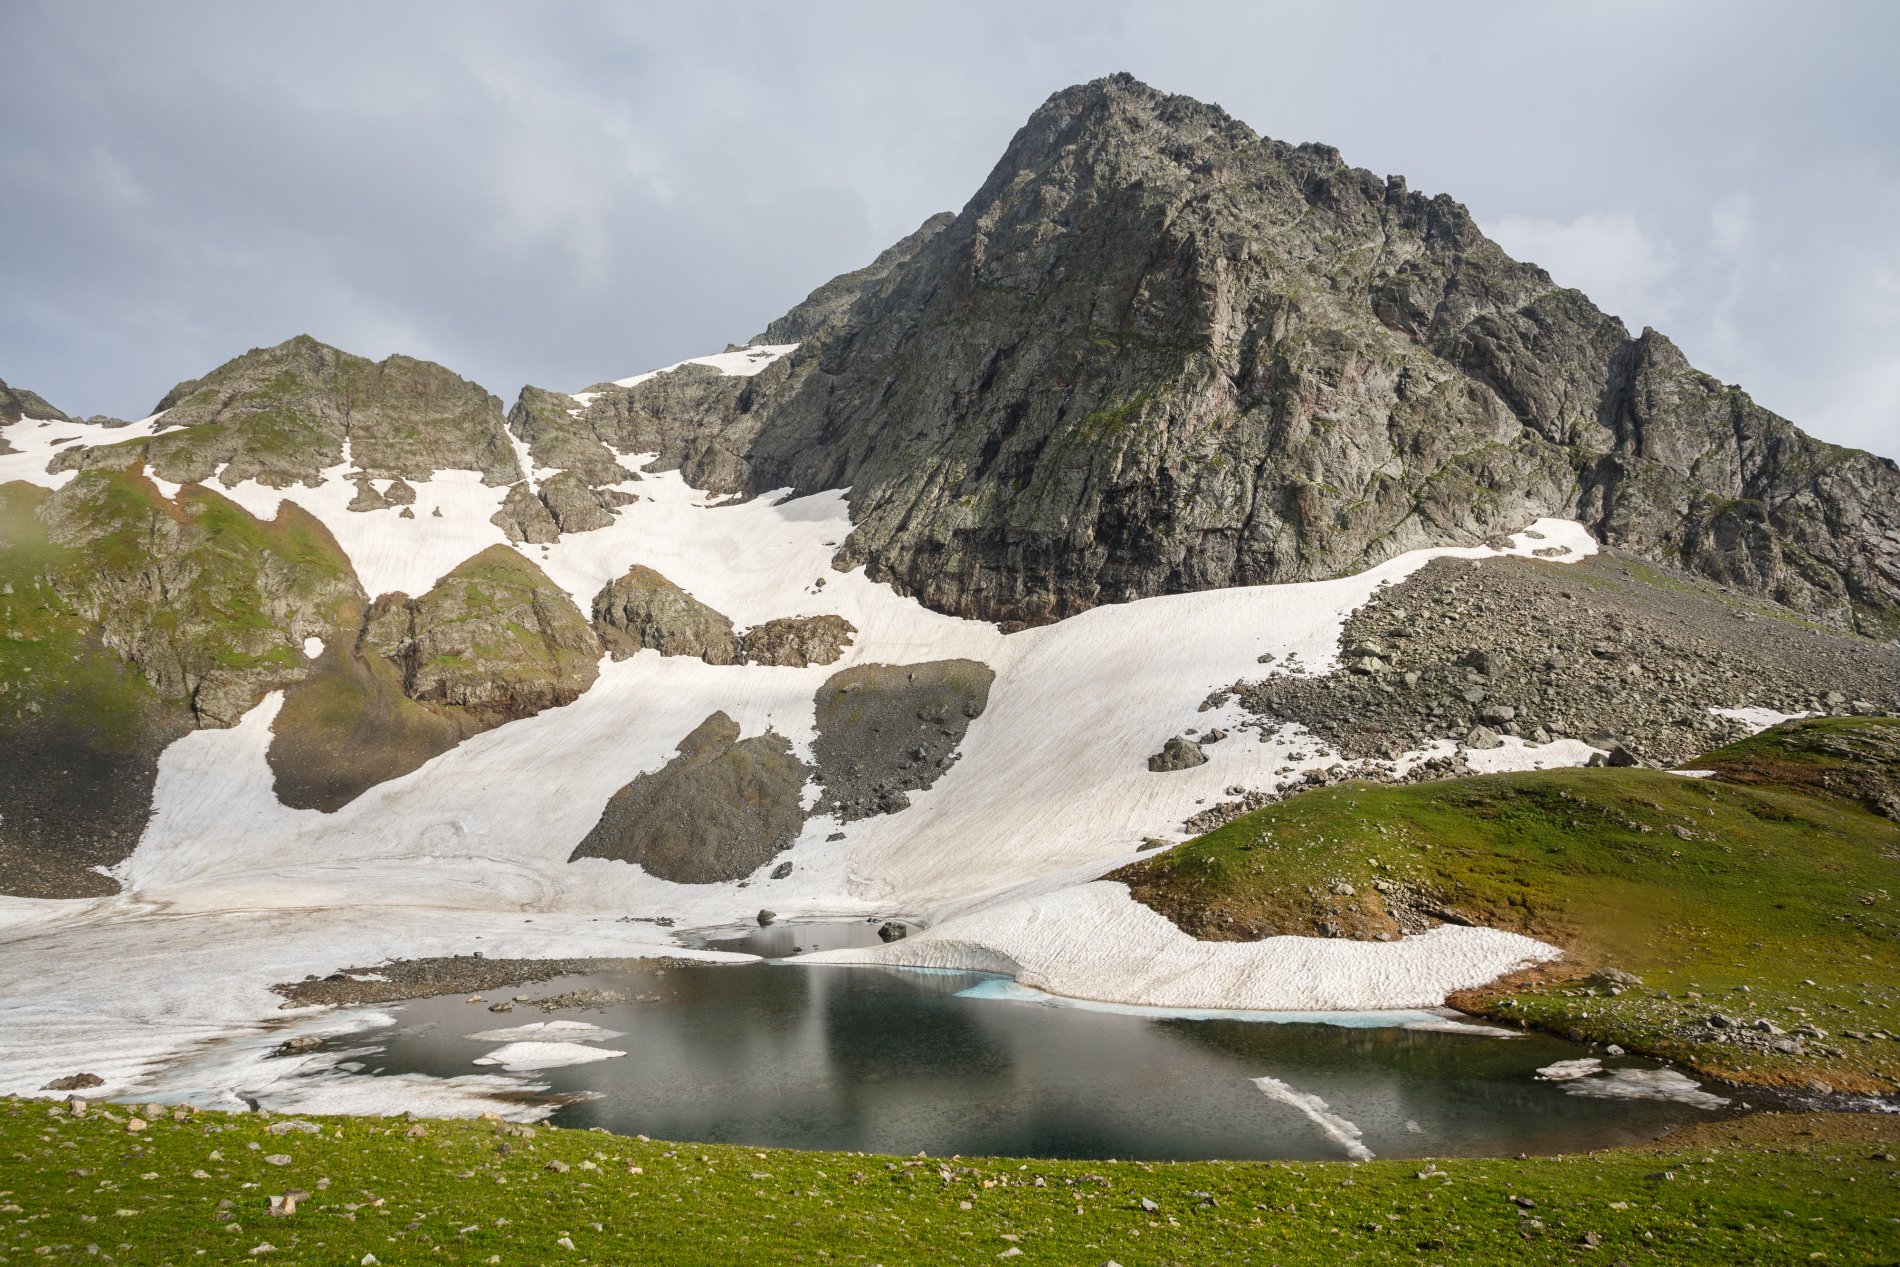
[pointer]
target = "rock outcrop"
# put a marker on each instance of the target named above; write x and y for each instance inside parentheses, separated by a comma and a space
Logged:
(1157, 352)
(209, 603)
(494, 638)
(282, 415)
(17, 403)
(524, 517)
(494, 641)
(642, 610)
(719, 811)
(797, 641)
(885, 730)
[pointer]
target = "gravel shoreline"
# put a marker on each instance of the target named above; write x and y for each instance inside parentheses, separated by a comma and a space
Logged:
(452, 974)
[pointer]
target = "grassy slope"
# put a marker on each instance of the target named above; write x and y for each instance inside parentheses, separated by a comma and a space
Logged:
(1768, 1189)
(1699, 887)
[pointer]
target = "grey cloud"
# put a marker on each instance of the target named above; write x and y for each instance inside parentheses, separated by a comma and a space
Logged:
(562, 193)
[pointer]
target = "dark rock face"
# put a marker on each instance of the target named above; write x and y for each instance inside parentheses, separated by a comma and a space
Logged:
(17, 403)
(888, 729)
(282, 415)
(643, 610)
(719, 811)
(1157, 352)
(1610, 650)
(576, 507)
(557, 439)
(798, 641)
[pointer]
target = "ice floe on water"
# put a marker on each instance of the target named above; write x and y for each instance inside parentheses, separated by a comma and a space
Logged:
(520, 1057)
(1586, 1076)
(1331, 1125)
(1646, 1084)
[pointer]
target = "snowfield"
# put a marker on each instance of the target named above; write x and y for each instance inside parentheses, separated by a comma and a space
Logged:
(162, 990)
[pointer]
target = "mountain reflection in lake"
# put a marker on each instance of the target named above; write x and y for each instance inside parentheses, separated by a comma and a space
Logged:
(889, 1061)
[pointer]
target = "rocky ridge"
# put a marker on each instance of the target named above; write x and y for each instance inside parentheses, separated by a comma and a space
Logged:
(17, 403)
(1157, 352)
(282, 415)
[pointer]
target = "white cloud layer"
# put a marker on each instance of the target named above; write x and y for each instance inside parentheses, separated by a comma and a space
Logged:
(551, 193)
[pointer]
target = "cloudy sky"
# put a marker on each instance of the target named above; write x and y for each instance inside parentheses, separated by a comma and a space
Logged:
(563, 192)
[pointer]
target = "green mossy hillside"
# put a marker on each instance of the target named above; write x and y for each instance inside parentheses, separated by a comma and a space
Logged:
(1742, 894)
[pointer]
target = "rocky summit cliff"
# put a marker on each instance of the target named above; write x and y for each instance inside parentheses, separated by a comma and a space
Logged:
(1157, 352)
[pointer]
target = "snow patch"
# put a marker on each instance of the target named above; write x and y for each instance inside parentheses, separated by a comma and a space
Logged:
(1758, 719)
(1094, 941)
(312, 648)
(38, 441)
(743, 364)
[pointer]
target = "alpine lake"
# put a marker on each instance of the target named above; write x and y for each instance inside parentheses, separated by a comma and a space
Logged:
(907, 1061)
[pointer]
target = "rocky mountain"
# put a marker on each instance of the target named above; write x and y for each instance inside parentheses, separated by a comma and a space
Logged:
(1158, 352)
(1155, 355)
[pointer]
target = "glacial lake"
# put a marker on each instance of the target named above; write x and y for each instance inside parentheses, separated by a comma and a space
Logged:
(902, 1061)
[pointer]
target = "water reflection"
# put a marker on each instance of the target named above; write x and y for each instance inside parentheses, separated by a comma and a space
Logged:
(892, 1061)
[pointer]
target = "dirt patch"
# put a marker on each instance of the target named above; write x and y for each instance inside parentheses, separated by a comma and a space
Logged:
(454, 974)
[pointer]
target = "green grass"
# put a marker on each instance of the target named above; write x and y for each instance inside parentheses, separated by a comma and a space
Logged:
(195, 1187)
(50, 659)
(1759, 899)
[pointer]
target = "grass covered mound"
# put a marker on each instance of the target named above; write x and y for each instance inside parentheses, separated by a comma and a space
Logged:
(1742, 924)
(191, 1187)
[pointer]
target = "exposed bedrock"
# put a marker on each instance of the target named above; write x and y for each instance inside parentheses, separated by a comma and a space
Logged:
(642, 610)
(720, 810)
(1157, 352)
(1610, 648)
(888, 729)
(495, 637)
(797, 641)
(17, 403)
(282, 415)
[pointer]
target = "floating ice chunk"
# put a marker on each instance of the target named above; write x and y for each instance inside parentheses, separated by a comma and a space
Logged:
(1646, 1084)
(1565, 1070)
(548, 1031)
(1331, 1125)
(519, 1057)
